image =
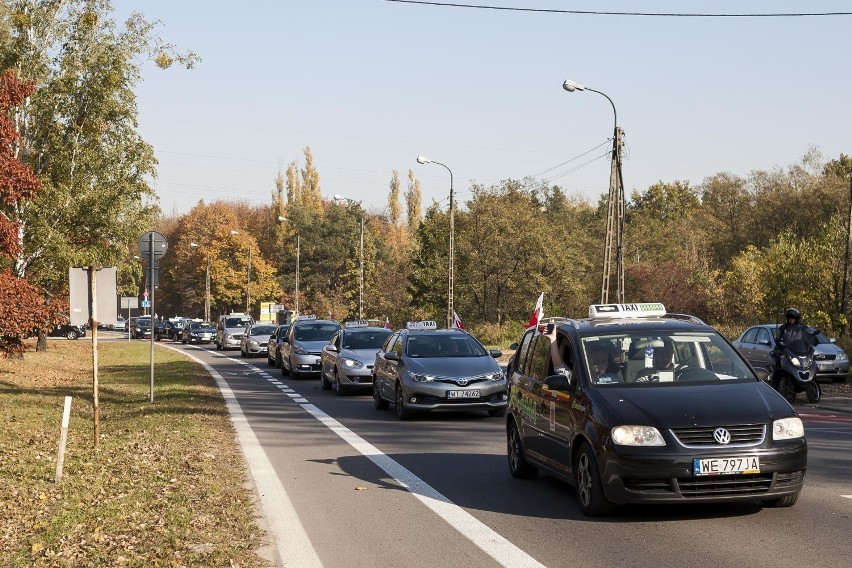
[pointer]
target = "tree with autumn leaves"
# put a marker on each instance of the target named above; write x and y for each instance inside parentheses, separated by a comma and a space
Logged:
(24, 307)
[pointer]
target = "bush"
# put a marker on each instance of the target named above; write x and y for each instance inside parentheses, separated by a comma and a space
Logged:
(497, 335)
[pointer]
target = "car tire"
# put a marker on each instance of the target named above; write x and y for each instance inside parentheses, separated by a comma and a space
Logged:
(378, 401)
(401, 412)
(72, 334)
(587, 480)
(269, 361)
(183, 341)
(519, 467)
(785, 501)
(813, 392)
(341, 390)
(325, 384)
(243, 353)
(277, 360)
(495, 412)
(284, 371)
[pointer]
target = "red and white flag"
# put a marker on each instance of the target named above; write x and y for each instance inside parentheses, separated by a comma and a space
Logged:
(538, 314)
(387, 323)
(457, 322)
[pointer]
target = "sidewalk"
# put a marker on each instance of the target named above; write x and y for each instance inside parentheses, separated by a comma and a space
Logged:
(836, 397)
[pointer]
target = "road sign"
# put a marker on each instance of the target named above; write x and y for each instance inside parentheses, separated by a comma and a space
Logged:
(160, 247)
(146, 303)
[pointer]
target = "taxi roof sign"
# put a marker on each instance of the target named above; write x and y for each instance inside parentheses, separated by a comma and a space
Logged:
(307, 317)
(421, 325)
(356, 323)
(619, 311)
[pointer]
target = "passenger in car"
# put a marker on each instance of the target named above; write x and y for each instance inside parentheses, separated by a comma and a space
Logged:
(602, 366)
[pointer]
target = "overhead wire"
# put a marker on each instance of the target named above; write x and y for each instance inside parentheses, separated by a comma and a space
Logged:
(611, 13)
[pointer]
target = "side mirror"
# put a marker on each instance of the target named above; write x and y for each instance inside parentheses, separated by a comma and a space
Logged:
(833, 340)
(496, 353)
(763, 342)
(762, 373)
(331, 347)
(513, 347)
(558, 382)
(392, 356)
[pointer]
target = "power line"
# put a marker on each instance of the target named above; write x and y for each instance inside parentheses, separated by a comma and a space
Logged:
(608, 13)
(577, 157)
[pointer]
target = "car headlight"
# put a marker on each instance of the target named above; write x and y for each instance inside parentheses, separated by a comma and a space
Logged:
(254, 343)
(420, 378)
(637, 436)
(841, 356)
(497, 376)
(788, 428)
(300, 350)
(354, 363)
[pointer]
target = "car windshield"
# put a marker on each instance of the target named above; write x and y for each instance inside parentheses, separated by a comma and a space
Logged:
(237, 322)
(641, 359)
(315, 331)
(143, 321)
(365, 339)
(263, 330)
(444, 345)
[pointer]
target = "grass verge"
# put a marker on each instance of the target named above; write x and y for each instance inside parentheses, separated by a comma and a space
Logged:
(166, 487)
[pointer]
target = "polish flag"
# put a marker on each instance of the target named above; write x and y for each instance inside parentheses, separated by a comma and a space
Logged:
(538, 314)
(387, 323)
(457, 322)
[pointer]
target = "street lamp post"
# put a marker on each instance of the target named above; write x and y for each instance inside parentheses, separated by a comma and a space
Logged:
(360, 261)
(615, 206)
(425, 160)
(206, 284)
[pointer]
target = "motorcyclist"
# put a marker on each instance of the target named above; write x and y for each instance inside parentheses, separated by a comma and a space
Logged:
(789, 332)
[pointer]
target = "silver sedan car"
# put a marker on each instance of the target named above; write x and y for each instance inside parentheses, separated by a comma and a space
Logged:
(347, 361)
(302, 348)
(422, 368)
(254, 342)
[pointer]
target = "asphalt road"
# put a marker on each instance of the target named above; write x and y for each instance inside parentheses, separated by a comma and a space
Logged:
(371, 490)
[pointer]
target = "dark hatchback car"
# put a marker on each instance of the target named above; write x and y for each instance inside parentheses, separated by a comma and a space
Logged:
(141, 328)
(650, 408)
(68, 331)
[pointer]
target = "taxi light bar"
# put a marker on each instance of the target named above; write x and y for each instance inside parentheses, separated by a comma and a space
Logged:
(421, 325)
(308, 317)
(620, 311)
(356, 323)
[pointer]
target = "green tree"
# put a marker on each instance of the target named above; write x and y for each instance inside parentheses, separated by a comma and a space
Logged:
(413, 202)
(393, 199)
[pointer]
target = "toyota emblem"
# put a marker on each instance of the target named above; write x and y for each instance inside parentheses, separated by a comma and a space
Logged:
(461, 382)
(722, 436)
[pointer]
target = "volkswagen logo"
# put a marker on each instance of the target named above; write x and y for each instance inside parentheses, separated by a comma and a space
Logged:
(461, 382)
(722, 436)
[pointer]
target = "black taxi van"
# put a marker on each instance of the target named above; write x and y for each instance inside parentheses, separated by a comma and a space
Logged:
(649, 407)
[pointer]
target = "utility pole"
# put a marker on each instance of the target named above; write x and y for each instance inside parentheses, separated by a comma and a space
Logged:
(361, 275)
(614, 225)
(248, 284)
(298, 246)
(843, 304)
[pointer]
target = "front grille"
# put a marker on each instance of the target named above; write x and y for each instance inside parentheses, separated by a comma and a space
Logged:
(722, 485)
(429, 399)
(741, 435)
(789, 478)
(651, 486)
(824, 356)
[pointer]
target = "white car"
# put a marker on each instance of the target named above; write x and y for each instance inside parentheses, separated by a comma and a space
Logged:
(255, 341)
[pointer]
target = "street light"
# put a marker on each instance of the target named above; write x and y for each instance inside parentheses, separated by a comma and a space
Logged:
(281, 219)
(615, 204)
(425, 160)
(206, 284)
(360, 260)
(248, 277)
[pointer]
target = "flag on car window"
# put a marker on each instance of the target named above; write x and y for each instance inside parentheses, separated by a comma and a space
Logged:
(387, 323)
(457, 322)
(538, 313)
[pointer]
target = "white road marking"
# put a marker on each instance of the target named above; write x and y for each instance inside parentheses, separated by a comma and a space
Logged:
(293, 546)
(847, 496)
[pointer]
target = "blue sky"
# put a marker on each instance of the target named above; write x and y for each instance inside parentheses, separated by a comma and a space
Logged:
(369, 85)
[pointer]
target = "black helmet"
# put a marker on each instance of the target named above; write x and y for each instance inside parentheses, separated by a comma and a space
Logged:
(793, 313)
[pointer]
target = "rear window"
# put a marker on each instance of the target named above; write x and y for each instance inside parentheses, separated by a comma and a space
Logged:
(315, 331)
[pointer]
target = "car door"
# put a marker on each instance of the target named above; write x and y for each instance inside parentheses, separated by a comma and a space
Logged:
(330, 353)
(556, 417)
(761, 348)
(530, 396)
(386, 369)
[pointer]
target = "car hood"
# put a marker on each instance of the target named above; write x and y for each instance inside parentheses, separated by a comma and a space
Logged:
(453, 366)
(313, 346)
(696, 405)
(827, 349)
(366, 356)
(260, 338)
(235, 330)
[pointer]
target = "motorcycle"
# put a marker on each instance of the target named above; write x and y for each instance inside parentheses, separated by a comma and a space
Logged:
(798, 371)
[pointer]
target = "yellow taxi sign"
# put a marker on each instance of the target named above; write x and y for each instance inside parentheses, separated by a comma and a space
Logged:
(621, 311)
